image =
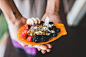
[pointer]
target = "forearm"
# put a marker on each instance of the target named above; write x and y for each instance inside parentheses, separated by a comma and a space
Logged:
(8, 7)
(52, 6)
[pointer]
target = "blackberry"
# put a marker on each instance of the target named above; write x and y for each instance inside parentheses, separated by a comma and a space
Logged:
(54, 34)
(50, 29)
(29, 26)
(40, 38)
(36, 38)
(54, 27)
(44, 38)
(50, 22)
(51, 35)
(57, 30)
(41, 22)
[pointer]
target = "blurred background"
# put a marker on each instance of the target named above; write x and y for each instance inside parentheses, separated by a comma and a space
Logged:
(75, 10)
(75, 13)
(3, 34)
(3, 25)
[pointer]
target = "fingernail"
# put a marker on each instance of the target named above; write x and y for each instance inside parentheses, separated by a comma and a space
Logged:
(43, 53)
(48, 50)
(38, 49)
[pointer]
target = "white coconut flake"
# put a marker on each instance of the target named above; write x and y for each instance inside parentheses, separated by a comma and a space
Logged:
(44, 28)
(47, 20)
(35, 27)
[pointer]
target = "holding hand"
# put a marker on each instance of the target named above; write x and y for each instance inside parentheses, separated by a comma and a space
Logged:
(53, 18)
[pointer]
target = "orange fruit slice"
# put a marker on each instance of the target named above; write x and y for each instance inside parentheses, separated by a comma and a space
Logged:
(60, 26)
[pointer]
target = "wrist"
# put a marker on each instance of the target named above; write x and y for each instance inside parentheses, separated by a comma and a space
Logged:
(14, 20)
(52, 6)
(52, 13)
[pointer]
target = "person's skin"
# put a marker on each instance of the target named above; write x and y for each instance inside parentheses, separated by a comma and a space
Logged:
(17, 20)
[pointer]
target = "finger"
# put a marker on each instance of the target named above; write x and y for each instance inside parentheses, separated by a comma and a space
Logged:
(43, 51)
(48, 50)
(38, 49)
(36, 46)
(44, 47)
(49, 45)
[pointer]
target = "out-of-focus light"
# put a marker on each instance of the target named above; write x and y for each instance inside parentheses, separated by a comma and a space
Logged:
(75, 15)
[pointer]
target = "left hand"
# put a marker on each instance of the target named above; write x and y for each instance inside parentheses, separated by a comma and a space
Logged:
(54, 17)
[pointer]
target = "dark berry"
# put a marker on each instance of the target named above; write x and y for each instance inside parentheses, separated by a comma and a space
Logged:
(28, 26)
(41, 22)
(36, 38)
(54, 27)
(51, 35)
(40, 38)
(50, 22)
(50, 29)
(57, 30)
(54, 34)
(44, 38)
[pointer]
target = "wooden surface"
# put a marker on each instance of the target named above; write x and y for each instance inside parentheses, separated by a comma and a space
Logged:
(71, 45)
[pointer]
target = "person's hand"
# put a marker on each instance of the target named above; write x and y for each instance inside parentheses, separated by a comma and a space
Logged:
(52, 18)
(14, 27)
